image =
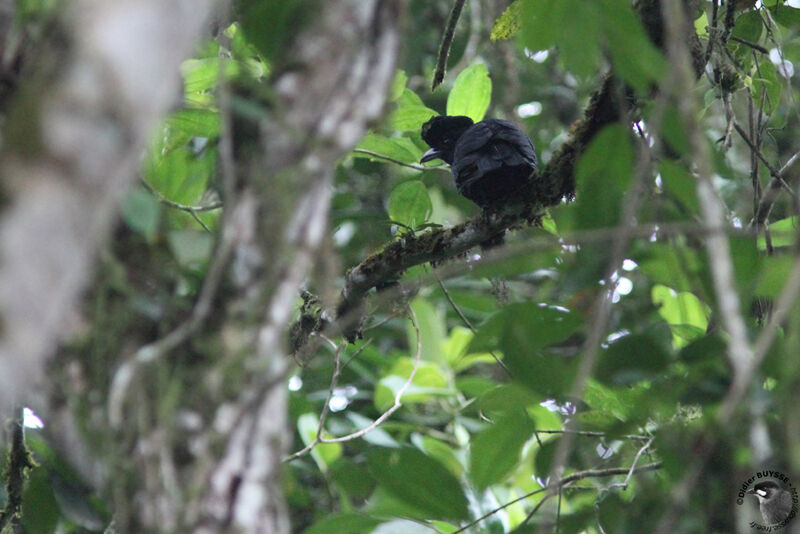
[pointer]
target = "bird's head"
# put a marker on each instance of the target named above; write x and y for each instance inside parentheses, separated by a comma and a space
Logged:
(764, 491)
(441, 134)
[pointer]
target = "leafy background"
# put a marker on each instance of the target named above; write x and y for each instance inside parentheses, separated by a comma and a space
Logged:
(496, 342)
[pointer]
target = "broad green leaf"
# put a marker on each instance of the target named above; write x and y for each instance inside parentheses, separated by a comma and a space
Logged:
(783, 233)
(419, 481)
(411, 113)
(507, 25)
(631, 359)
(74, 503)
(192, 248)
(196, 122)
(623, 34)
(684, 312)
(398, 85)
(440, 451)
(773, 275)
(786, 16)
(432, 330)
(580, 51)
(679, 183)
(40, 513)
(766, 87)
(471, 93)
(522, 332)
(141, 211)
(428, 382)
(455, 346)
(324, 454)
(542, 21)
(495, 451)
(603, 174)
(409, 204)
(501, 401)
(203, 74)
(399, 148)
(344, 523)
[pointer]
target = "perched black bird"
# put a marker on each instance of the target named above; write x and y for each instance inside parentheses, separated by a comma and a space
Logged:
(491, 161)
(774, 501)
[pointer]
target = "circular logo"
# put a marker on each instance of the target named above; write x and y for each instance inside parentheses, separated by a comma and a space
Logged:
(775, 497)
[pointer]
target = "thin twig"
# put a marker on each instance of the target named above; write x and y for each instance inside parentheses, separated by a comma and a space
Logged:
(177, 205)
(372, 426)
(467, 321)
(337, 359)
(752, 45)
(415, 166)
(624, 484)
(398, 396)
(447, 40)
(574, 477)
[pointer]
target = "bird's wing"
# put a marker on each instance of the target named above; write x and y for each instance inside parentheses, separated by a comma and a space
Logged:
(494, 143)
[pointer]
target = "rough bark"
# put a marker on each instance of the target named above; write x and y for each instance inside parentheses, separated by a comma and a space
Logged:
(72, 147)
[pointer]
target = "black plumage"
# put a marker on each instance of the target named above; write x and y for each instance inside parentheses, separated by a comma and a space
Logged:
(492, 161)
(774, 502)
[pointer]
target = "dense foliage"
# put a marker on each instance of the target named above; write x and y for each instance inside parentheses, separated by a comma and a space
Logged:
(586, 372)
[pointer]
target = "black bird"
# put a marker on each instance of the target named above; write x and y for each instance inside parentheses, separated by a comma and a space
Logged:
(492, 161)
(774, 501)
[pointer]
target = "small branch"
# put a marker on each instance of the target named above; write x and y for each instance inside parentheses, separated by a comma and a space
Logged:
(770, 194)
(398, 396)
(415, 166)
(447, 40)
(752, 45)
(178, 206)
(334, 380)
(574, 477)
(337, 359)
(624, 484)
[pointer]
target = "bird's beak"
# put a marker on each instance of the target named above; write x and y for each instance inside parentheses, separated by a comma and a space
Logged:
(430, 154)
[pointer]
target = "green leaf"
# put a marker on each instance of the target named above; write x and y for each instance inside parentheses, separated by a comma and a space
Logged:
(399, 148)
(432, 330)
(773, 275)
(40, 513)
(428, 382)
(681, 310)
(678, 182)
(603, 174)
(541, 23)
(523, 331)
(141, 211)
(631, 359)
(783, 232)
(409, 204)
(624, 34)
(196, 122)
(398, 85)
(766, 87)
(411, 113)
(786, 16)
(324, 454)
(495, 452)
(343, 523)
(191, 248)
(419, 481)
(471, 93)
(507, 25)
